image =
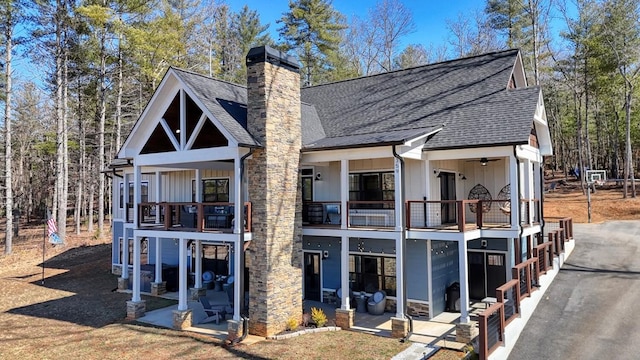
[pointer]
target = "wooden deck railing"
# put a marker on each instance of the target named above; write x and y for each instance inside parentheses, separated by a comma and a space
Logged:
(527, 275)
(191, 216)
(544, 253)
(491, 329)
(509, 295)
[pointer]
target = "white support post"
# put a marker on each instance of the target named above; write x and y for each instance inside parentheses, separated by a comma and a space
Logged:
(136, 270)
(198, 269)
(137, 179)
(344, 273)
(237, 195)
(344, 193)
(125, 256)
(182, 136)
(125, 196)
(514, 180)
(528, 189)
(182, 273)
(237, 272)
(158, 195)
(400, 290)
(399, 206)
(400, 244)
(464, 281)
(158, 260)
(198, 188)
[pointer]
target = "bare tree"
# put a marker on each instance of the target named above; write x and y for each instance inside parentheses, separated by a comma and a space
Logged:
(392, 21)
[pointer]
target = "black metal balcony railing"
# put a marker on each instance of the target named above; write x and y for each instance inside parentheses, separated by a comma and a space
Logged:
(365, 214)
(190, 216)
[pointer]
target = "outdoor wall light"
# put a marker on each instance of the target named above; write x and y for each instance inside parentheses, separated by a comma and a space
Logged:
(462, 177)
(318, 177)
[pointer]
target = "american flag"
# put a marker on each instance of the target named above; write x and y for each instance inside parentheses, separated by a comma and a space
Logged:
(51, 226)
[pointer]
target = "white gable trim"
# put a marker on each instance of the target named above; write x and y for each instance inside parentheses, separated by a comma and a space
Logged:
(542, 128)
(189, 156)
(196, 131)
(167, 130)
(160, 101)
(170, 85)
(232, 141)
(518, 73)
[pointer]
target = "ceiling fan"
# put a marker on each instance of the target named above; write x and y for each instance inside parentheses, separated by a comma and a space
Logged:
(483, 161)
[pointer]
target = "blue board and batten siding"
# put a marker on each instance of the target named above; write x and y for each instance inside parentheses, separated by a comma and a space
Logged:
(417, 273)
(445, 271)
(118, 231)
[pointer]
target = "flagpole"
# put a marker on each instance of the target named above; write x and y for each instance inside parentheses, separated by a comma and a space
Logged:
(44, 242)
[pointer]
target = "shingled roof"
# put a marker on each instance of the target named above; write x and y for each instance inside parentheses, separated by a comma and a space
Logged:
(466, 98)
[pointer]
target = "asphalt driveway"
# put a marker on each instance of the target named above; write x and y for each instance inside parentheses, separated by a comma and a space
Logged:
(592, 309)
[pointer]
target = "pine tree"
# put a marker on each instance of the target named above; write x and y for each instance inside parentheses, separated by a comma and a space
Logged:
(311, 28)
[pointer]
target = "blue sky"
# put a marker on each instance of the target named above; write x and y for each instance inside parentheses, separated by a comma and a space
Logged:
(430, 16)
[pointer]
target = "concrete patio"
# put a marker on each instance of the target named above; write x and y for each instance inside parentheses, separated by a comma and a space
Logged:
(438, 332)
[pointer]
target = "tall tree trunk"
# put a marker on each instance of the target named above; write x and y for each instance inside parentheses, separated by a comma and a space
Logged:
(103, 111)
(119, 97)
(59, 208)
(8, 243)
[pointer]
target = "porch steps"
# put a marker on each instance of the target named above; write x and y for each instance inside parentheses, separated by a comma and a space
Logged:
(417, 351)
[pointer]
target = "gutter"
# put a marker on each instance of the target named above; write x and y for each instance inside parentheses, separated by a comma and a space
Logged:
(240, 277)
(403, 249)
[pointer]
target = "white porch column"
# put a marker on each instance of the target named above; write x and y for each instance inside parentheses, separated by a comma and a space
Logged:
(158, 195)
(125, 196)
(182, 273)
(198, 269)
(237, 195)
(237, 272)
(344, 273)
(528, 189)
(137, 177)
(344, 193)
(399, 196)
(464, 281)
(158, 278)
(125, 255)
(198, 185)
(400, 243)
(136, 269)
(537, 181)
(514, 180)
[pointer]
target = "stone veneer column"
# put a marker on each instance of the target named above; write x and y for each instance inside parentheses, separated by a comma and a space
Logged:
(273, 118)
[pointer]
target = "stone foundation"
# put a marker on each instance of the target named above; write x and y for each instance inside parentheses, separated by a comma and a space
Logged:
(181, 319)
(123, 284)
(116, 270)
(158, 289)
(195, 293)
(344, 318)
(466, 332)
(329, 297)
(399, 327)
(419, 310)
(234, 329)
(390, 306)
(135, 309)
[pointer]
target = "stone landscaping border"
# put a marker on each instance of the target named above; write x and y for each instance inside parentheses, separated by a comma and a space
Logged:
(303, 332)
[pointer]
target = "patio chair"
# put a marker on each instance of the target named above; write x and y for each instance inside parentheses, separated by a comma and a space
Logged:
(213, 313)
(377, 302)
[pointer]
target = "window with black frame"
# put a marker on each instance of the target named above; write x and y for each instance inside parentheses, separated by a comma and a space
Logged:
(213, 190)
(144, 192)
(370, 273)
(371, 186)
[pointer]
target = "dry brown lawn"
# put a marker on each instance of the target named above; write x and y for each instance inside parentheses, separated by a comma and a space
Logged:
(77, 314)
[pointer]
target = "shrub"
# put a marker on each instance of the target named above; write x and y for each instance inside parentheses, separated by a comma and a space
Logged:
(318, 316)
(292, 323)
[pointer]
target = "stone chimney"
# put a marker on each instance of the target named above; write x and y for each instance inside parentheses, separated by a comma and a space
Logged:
(275, 253)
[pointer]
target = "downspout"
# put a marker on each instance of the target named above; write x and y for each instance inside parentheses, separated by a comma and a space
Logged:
(515, 155)
(403, 239)
(541, 214)
(240, 277)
